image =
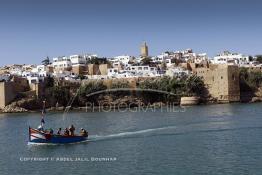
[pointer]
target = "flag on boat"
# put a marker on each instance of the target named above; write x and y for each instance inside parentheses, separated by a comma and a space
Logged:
(43, 114)
(43, 110)
(42, 121)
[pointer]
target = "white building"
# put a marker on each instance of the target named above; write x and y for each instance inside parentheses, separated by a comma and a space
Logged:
(45, 74)
(28, 67)
(253, 64)
(177, 72)
(26, 73)
(123, 60)
(143, 71)
(35, 79)
(116, 73)
(185, 56)
(67, 63)
(200, 58)
(64, 74)
(16, 70)
(78, 59)
(117, 65)
(168, 62)
(39, 68)
(61, 63)
(231, 58)
(160, 58)
(112, 72)
(133, 71)
(37, 74)
(4, 77)
(90, 56)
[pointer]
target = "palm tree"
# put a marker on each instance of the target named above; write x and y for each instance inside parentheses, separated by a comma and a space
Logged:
(46, 61)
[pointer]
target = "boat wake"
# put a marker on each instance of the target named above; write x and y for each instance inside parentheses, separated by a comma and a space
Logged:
(145, 132)
(93, 138)
(169, 130)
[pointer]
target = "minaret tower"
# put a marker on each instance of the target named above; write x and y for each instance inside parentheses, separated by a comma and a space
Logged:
(144, 50)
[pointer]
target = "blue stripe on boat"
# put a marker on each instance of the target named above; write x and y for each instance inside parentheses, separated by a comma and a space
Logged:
(56, 139)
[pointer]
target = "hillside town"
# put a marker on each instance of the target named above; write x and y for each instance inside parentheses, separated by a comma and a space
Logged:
(220, 73)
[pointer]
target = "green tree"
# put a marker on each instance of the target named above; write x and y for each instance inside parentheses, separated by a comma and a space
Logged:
(119, 84)
(250, 58)
(163, 65)
(177, 85)
(148, 84)
(49, 81)
(92, 87)
(249, 80)
(195, 85)
(89, 88)
(61, 94)
(255, 78)
(81, 77)
(176, 61)
(146, 61)
(259, 58)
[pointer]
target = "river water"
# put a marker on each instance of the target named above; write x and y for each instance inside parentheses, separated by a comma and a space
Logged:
(212, 139)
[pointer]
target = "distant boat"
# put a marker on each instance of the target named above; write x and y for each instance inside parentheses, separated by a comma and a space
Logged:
(41, 136)
(36, 136)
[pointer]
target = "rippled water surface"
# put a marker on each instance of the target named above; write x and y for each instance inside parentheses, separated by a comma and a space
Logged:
(213, 139)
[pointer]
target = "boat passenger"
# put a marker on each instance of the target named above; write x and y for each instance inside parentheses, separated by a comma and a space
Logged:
(83, 132)
(66, 132)
(40, 128)
(72, 130)
(59, 132)
(51, 131)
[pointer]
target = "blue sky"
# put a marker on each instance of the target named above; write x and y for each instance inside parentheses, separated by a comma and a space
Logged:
(30, 30)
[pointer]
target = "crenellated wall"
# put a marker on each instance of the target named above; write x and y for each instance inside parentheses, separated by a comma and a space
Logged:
(7, 93)
(222, 81)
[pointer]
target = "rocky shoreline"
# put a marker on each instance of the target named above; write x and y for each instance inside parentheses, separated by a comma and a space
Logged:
(24, 105)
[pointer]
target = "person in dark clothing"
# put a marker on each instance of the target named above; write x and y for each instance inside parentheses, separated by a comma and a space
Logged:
(42, 121)
(83, 132)
(72, 130)
(59, 132)
(66, 132)
(51, 131)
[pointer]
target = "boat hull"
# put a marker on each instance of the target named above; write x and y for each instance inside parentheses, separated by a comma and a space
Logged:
(36, 136)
